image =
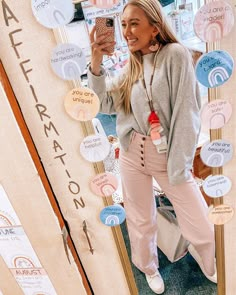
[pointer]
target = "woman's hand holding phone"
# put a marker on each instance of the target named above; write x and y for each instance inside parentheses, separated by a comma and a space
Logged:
(100, 47)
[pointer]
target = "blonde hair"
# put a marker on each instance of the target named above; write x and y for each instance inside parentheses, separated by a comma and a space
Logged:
(153, 11)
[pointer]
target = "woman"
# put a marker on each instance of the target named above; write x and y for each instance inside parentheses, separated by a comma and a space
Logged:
(157, 103)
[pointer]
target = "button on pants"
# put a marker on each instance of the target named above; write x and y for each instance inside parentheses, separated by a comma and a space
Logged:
(137, 166)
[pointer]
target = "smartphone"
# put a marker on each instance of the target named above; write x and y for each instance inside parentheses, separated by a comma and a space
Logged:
(104, 25)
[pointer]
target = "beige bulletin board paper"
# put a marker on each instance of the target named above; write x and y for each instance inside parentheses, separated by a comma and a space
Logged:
(31, 209)
(25, 52)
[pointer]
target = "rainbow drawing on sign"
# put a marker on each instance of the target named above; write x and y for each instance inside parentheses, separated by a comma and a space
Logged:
(217, 76)
(215, 160)
(213, 21)
(57, 14)
(214, 68)
(81, 114)
(217, 120)
(23, 262)
(53, 13)
(112, 220)
(213, 31)
(107, 189)
(6, 219)
(219, 192)
(71, 69)
(217, 185)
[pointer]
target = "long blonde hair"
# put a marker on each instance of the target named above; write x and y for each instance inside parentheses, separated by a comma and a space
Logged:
(153, 11)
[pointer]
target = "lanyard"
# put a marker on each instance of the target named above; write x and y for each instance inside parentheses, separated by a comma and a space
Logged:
(150, 100)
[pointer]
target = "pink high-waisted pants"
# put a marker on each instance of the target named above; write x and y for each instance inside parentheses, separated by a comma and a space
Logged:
(138, 165)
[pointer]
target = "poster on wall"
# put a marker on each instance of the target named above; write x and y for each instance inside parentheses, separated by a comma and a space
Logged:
(18, 253)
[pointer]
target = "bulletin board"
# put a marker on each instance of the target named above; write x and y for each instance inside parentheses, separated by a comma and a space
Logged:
(30, 235)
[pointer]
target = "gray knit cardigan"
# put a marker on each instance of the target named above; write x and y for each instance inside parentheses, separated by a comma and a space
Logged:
(176, 99)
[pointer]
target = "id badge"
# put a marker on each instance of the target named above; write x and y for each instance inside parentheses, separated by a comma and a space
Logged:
(162, 147)
(155, 137)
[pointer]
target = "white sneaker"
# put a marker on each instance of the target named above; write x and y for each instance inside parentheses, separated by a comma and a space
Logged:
(198, 259)
(156, 282)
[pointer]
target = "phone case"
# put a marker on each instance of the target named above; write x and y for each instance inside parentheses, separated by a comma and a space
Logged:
(103, 25)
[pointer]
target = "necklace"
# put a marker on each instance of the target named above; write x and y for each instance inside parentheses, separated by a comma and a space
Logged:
(153, 119)
(150, 100)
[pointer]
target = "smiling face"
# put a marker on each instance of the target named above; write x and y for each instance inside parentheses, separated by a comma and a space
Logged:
(137, 30)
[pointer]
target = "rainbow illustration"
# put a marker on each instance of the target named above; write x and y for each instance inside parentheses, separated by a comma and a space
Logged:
(213, 31)
(107, 189)
(70, 69)
(57, 14)
(81, 114)
(112, 220)
(219, 193)
(217, 121)
(216, 75)
(23, 262)
(5, 220)
(215, 160)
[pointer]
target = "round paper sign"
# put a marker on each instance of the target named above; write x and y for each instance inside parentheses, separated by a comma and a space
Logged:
(68, 61)
(216, 114)
(214, 68)
(216, 153)
(221, 214)
(82, 104)
(213, 21)
(104, 184)
(104, 3)
(216, 186)
(53, 13)
(95, 148)
(112, 215)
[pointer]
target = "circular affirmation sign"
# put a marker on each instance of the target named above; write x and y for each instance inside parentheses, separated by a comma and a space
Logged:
(112, 215)
(68, 61)
(104, 184)
(53, 13)
(221, 214)
(104, 3)
(216, 114)
(82, 104)
(214, 68)
(216, 153)
(95, 148)
(217, 186)
(213, 21)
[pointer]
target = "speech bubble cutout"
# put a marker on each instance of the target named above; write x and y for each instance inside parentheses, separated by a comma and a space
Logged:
(214, 21)
(221, 214)
(216, 153)
(53, 13)
(213, 69)
(104, 184)
(216, 114)
(82, 104)
(217, 186)
(104, 3)
(68, 61)
(95, 148)
(113, 215)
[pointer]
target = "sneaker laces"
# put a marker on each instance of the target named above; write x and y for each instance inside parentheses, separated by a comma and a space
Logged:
(156, 274)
